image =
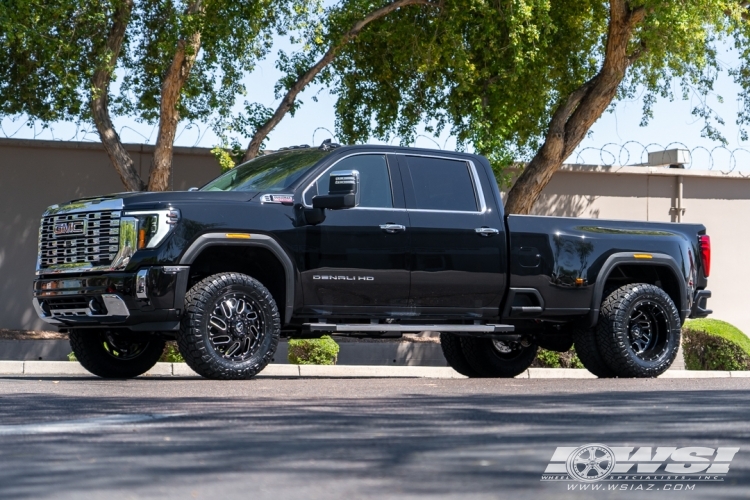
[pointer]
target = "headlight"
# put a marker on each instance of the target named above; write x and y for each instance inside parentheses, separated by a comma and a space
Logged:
(153, 227)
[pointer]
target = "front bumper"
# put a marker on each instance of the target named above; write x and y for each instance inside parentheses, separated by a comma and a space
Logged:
(150, 300)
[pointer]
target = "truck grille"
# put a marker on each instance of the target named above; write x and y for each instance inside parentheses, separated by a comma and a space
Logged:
(80, 238)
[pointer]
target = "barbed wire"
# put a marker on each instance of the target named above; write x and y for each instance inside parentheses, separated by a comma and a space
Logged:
(84, 132)
(719, 158)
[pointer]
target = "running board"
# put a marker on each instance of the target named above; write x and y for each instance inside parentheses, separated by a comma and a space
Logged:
(386, 327)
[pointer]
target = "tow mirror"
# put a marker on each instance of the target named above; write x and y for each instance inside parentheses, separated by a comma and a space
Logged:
(343, 191)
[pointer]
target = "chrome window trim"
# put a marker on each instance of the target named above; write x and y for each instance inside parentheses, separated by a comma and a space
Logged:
(314, 181)
(478, 191)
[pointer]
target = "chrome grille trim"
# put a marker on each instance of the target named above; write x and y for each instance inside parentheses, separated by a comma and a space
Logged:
(106, 244)
(97, 244)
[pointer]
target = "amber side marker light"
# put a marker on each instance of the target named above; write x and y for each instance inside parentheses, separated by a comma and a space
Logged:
(238, 236)
(141, 238)
(643, 256)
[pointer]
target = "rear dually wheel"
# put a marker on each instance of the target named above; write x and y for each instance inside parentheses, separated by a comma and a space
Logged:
(639, 331)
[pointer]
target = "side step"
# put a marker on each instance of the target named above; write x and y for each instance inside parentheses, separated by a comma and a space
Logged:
(385, 327)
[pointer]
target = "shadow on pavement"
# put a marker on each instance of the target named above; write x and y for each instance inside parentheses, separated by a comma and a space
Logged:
(399, 444)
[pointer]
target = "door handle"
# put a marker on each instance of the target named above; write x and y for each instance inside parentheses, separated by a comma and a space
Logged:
(392, 228)
(486, 231)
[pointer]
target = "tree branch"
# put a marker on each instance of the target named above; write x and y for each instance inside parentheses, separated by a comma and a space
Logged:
(169, 116)
(288, 100)
(119, 157)
(574, 118)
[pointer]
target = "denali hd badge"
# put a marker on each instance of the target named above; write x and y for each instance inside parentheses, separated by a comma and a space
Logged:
(343, 278)
(65, 228)
(284, 199)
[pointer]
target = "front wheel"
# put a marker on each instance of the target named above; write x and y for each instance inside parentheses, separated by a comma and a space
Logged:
(498, 358)
(231, 327)
(109, 354)
(639, 331)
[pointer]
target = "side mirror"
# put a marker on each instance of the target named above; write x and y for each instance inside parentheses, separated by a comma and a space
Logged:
(343, 191)
(193, 189)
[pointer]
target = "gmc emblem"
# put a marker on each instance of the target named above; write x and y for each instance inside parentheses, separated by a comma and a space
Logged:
(65, 228)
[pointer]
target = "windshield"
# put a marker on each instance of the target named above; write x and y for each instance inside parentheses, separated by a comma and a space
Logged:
(273, 172)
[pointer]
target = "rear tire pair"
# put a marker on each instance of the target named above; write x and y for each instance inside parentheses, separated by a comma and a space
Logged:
(487, 358)
(637, 336)
(230, 330)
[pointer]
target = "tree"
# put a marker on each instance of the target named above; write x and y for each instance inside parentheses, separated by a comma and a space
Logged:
(303, 69)
(524, 79)
(178, 61)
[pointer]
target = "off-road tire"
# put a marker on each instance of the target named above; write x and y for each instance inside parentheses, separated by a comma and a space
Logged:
(454, 354)
(94, 351)
(619, 319)
(586, 345)
(194, 341)
(486, 361)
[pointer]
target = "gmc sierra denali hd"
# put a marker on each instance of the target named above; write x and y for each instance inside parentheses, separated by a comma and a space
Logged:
(361, 240)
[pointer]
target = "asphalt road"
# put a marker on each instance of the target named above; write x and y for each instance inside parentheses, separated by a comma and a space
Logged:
(348, 438)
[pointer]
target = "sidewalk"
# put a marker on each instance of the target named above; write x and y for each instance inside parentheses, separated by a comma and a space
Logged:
(68, 368)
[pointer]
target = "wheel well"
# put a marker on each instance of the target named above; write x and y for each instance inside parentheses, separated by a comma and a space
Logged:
(257, 262)
(661, 276)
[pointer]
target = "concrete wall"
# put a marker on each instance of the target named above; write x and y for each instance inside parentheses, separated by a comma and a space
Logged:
(719, 201)
(36, 174)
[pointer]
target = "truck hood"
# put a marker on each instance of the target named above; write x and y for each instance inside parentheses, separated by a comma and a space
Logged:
(148, 200)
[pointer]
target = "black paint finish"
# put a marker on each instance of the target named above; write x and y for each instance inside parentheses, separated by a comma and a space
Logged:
(434, 267)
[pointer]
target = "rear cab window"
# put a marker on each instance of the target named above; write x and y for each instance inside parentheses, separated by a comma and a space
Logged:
(441, 184)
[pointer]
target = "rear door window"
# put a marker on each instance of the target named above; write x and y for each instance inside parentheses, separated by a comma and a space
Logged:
(441, 184)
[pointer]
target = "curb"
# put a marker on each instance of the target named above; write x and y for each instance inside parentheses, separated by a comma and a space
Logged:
(350, 353)
(338, 371)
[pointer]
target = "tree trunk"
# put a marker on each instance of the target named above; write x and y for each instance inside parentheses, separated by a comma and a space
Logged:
(288, 101)
(119, 157)
(169, 116)
(573, 118)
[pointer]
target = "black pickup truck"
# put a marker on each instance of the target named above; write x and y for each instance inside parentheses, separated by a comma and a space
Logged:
(361, 240)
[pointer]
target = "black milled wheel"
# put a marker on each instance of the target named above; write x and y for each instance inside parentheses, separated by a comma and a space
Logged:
(587, 348)
(639, 331)
(231, 327)
(454, 354)
(497, 358)
(110, 354)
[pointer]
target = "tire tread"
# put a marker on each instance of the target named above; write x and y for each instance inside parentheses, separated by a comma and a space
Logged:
(191, 343)
(87, 346)
(454, 354)
(612, 331)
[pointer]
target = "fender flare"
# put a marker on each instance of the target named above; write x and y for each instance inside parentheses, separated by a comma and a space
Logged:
(657, 259)
(252, 240)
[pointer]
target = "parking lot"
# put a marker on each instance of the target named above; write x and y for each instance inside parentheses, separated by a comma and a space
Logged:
(81, 437)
